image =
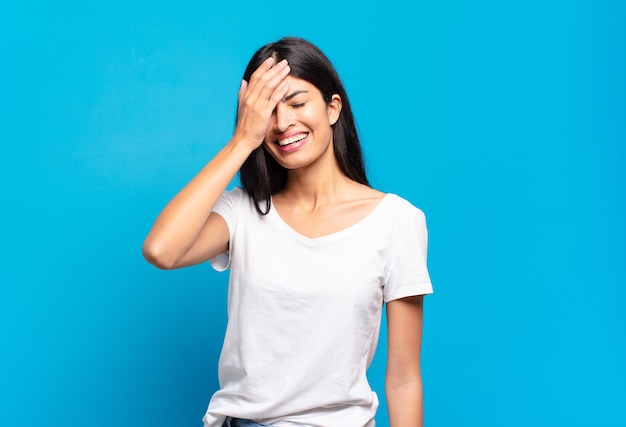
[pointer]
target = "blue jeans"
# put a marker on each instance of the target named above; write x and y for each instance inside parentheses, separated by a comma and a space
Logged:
(237, 422)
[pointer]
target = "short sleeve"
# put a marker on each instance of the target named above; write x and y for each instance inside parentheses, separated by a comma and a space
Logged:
(407, 273)
(228, 206)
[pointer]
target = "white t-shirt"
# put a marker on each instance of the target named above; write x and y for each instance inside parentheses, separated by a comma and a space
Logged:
(304, 313)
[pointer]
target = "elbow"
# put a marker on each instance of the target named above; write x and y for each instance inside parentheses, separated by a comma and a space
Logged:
(157, 256)
(408, 381)
(403, 374)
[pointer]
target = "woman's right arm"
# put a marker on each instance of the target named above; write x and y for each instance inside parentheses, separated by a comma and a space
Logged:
(186, 232)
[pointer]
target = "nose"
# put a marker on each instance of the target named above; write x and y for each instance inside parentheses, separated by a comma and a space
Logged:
(282, 118)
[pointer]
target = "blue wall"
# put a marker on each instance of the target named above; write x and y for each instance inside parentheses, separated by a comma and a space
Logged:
(504, 121)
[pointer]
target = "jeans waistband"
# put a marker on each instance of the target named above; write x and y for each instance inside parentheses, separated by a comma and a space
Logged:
(238, 422)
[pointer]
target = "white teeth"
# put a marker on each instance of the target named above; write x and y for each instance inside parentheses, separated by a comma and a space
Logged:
(291, 140)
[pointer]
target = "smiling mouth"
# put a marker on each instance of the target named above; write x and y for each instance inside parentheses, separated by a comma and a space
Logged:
(292, 139)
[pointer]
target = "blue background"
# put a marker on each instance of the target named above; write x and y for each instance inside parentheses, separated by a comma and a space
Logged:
(504, 121)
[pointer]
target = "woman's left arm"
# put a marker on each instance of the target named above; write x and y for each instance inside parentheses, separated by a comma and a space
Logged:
(403, 382)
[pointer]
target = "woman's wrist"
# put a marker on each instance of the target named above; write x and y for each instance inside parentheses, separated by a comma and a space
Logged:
(242, 144)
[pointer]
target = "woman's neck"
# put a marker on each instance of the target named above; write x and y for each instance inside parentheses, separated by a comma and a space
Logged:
(315, 186)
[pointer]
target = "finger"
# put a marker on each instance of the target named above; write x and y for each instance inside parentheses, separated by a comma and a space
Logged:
(240, 96)
(263, 83)
(272, 82)
(262, 69)
(279, 93)
(242, 88)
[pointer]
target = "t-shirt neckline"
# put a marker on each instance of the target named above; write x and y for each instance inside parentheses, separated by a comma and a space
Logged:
(273, 214)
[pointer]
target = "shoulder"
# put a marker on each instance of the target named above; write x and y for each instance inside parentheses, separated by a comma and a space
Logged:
(362, 195)
(400, 219)
(233, 201)
(236, 193)
(236, 196)
(402, 208)
(369, 192)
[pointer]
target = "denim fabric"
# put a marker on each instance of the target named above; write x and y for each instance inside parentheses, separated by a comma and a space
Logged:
(236, 422)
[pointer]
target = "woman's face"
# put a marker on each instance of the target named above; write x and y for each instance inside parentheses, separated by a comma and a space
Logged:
(300, 132)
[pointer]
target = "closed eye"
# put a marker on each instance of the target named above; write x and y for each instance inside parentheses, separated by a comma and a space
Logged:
(299, 105)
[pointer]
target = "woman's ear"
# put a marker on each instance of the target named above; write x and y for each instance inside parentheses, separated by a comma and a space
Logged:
(334, 109)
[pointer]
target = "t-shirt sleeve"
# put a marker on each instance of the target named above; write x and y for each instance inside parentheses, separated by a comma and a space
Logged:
(407, 273)
(227, 206)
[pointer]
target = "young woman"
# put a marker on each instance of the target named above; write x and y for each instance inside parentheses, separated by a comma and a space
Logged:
(314, 253)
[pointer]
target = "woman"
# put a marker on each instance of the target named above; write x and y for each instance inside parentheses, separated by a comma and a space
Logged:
(314, 253)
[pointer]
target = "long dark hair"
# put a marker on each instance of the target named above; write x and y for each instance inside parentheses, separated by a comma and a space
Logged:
(261, 175)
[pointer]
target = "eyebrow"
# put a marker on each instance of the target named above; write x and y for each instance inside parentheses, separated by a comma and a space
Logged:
(292, 94)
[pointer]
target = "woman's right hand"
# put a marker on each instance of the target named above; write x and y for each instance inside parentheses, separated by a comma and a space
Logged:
(258, 99)
(187, 232)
